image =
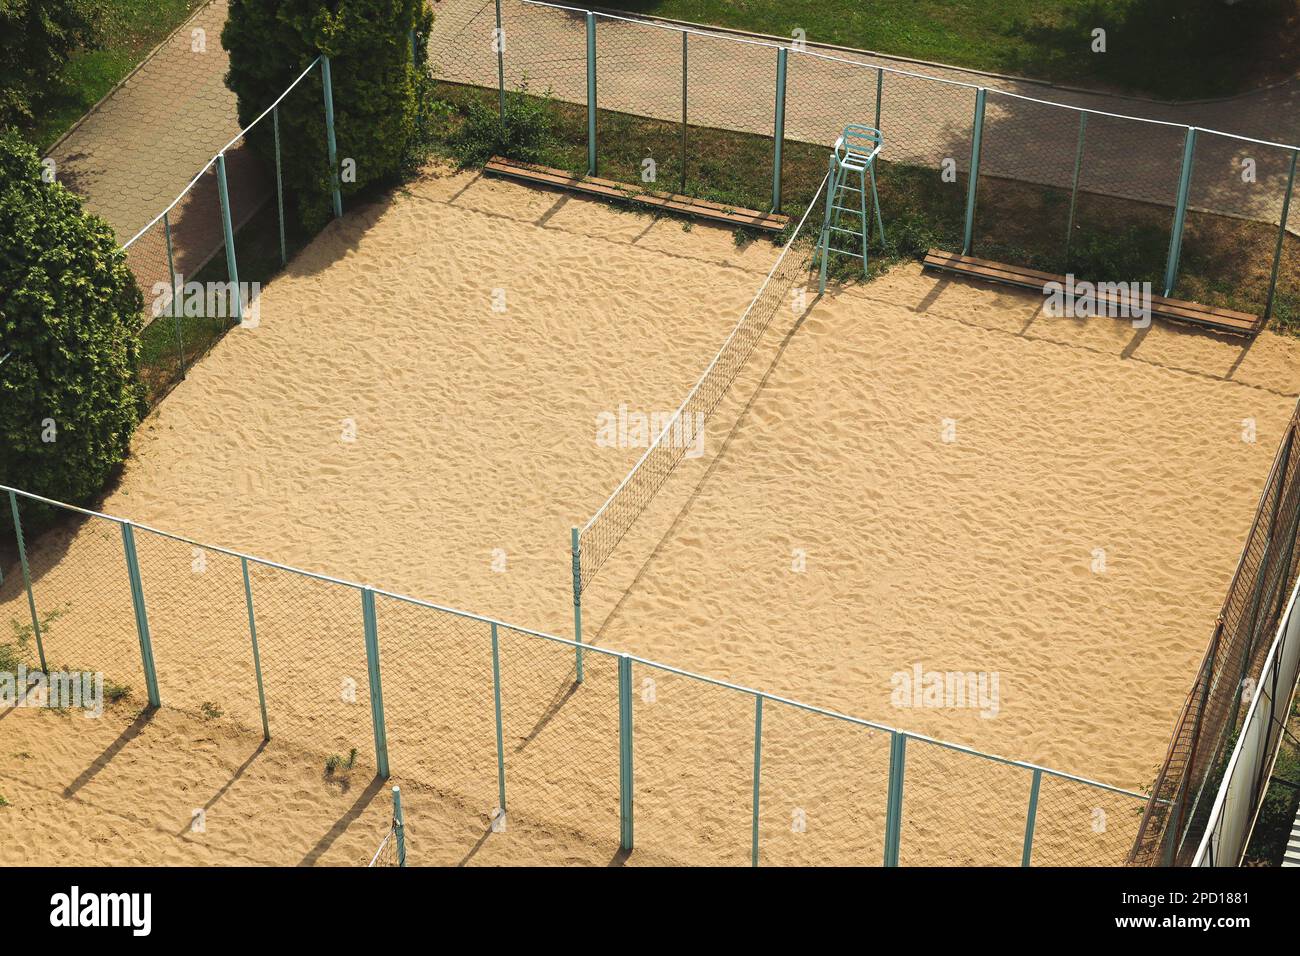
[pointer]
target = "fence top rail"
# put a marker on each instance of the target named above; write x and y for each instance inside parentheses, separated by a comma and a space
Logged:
(775, 44)
(700, 381)
(588, 648)
(181, 195)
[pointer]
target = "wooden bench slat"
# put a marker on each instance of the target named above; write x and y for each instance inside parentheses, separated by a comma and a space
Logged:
(609, 189)
(1175, 310)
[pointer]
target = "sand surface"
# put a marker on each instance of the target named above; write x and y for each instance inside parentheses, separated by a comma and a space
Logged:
(384, 424)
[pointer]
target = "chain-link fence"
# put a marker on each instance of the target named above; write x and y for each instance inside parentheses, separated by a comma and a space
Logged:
(1198, 214)
(201, 261)
(497, 722)
(1211, 719)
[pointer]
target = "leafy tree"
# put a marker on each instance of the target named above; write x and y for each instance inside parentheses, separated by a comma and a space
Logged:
(36, 39)
(375, 85)
(70, 315)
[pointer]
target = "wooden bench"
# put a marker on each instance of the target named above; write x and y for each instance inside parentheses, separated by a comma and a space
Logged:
(609, 189)
(1173, 310)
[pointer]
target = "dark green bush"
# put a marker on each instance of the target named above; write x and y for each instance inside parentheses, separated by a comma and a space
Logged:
(36, 39)
(527, 134)
(375, 83)
(70, 315)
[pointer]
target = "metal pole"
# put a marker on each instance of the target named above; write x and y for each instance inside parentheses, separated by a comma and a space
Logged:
(576, 557)
(141, 614)
(1074, 185)
(685, 36)
(331, 143)
(496, 697)
(894, 805)
(27, 579)
(778, 132)
(415, 60)
(1180, 212)
(880, 87)
(176, 290)
(758, 764)
(376, 690)
(279, 186)
(977, 138)
(591, 94)
(399, 826)
(257, 657)
(1281, 236)
(625, 789)
(227, 229)
(501, 65)
(832, 186)
(1031, 818)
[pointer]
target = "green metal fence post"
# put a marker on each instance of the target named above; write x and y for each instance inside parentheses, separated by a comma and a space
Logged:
(778, 126)
(141, 614)
(1074, 185)
(415, 61)
(376, 689)
(685, 36)
(228, 231)
(496, 698)
(894, 804)
(758, 767)
(977, 138)
(1281, 236)
(1180, 212)
(591, 94)
(399, 826)
(880, 88)
(1031, 818)
(331, 143)
(576, 557)
(176, 309)
(625, 789)
(501, 66)
(279, 186)
(27, 579)
(257, 657)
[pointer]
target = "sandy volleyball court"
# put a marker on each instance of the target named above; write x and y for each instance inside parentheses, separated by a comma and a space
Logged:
(919, 471)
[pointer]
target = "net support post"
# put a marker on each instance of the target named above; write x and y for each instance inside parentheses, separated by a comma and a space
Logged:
(177, 287)
(576, 560)
(501, 66)
(778, 126)
(279, 186)
(257, 657)
(327, 84)
(977, 139)
(880, 89)
(625, 752)
(894, 804)
(376, 688)
(758, 770)
(591, 94)
(27, 580)
(1031, 818)
(1281, 238)
(399, 826)
(228, 232)
(825, 240)
(501, 749)
(141, 614)
(1180, 212)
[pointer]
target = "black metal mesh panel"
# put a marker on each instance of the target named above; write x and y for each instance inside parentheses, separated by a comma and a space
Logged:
(561, 737)
(693, 745)
(198, 623)
(1025, 192)
(823, 790)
